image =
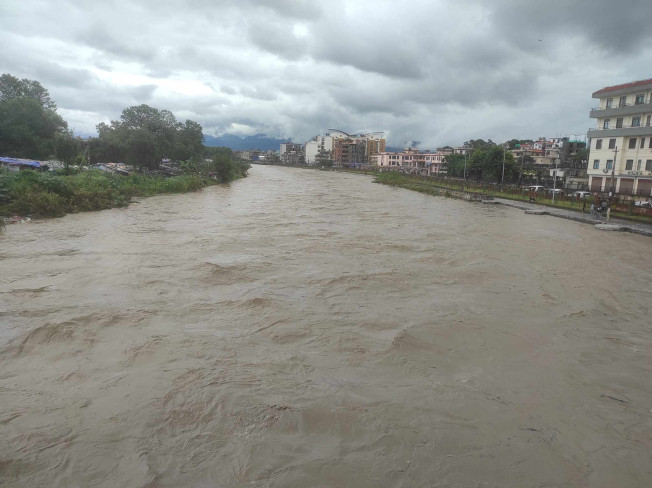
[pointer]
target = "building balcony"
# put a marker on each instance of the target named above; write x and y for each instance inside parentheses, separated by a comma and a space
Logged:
(627, 109)
(625, 130)
(619, 172)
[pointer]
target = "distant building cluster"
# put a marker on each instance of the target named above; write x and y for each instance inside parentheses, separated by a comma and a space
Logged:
(618, 160)
(412, 161)
(343, 149)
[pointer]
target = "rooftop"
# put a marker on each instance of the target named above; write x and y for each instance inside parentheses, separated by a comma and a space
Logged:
(624, 86)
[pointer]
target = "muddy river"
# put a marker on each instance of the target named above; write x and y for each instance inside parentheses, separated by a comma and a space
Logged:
(309, 329)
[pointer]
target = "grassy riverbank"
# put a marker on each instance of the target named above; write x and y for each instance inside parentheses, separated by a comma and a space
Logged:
(434, 186)
(42, 194)
(411, 183)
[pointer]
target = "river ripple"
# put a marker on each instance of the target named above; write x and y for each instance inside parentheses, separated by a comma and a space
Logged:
(300, 329)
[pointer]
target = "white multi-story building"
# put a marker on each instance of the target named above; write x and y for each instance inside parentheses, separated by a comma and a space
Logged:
(620, 158)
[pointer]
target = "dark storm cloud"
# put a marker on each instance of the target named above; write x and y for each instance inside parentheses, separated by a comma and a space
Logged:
(432, 70)
(614, 26)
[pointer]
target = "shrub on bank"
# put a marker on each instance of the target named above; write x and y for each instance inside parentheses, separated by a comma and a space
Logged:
(50, 195)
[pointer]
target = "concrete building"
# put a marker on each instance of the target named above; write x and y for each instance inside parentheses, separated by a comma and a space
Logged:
(349, 153)
(292, 154)
(621, 146)
(374, 143)
(290, 147)
(411, 161)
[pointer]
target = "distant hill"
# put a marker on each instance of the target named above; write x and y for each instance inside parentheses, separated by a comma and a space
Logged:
(237, 143)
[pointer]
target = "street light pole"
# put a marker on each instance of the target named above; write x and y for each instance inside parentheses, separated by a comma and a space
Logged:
(465, 155)
(613, 172)
(554, 181)
(502, 179)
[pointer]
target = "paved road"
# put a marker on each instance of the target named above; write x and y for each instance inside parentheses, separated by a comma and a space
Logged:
(601, 223)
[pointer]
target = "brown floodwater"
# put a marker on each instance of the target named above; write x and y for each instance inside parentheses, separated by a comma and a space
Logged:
(312, 329)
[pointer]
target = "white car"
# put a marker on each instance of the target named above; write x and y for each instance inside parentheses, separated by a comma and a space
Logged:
(643, 204)
(582, 194)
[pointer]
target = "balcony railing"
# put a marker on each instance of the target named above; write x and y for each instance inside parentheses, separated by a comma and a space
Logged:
(649, 102)
(622, 126)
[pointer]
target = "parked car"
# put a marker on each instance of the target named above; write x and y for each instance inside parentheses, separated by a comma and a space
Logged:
(555, 191)
(535, 188)
(643, 204)
(582, 194)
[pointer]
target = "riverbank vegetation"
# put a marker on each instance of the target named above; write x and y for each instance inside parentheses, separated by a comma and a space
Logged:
(144, 138)
(48, 194)
(448, 186)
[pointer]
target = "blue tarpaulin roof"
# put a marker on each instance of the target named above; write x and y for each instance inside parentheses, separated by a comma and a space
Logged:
(20, 162)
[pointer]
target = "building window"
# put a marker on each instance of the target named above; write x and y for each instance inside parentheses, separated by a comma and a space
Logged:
(648, 165)
(610, 102)
(598, 143)
(638, 165)
(619, 123)
(632, 143)
(649, 119)
(636, 121)
(596, 164)
(612, 143)
(623, 101)
(605, 124)
(640, 99)
(642, 142)
(629, 165)
(610, 164)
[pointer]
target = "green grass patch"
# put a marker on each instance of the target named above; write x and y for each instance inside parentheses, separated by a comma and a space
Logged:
(42, 194)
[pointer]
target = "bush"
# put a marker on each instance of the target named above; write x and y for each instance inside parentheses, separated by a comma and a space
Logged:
(49, 195)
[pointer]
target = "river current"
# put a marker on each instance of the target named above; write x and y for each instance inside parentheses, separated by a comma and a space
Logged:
(301, 328)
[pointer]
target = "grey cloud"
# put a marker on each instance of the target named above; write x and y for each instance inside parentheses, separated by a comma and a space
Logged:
(111, 42)
(440, 72)
(276, 39)
(614, 26)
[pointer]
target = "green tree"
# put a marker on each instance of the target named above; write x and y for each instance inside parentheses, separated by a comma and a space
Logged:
(11, 87)
(141, 149)
(66, 148)
(324, 158)
(454, 165)
(144, 135)
(479, 143)
(487, 165)
(27, 130)
(580, 159)
(223, 167)
(190, 143)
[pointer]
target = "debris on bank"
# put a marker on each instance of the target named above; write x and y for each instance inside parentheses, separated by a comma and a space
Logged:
(16, 219)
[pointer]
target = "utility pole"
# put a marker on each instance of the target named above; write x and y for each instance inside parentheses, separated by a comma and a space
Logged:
(502, 179)
(465, 154)
(613, 172)
(554, 181)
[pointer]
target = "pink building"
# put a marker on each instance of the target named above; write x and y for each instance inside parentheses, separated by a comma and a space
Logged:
(411, 161)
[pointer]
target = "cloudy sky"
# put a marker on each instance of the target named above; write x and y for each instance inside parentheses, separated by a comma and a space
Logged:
(436, 71)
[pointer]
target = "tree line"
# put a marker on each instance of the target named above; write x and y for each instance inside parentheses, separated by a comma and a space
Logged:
(31, 128)
(485, 163)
